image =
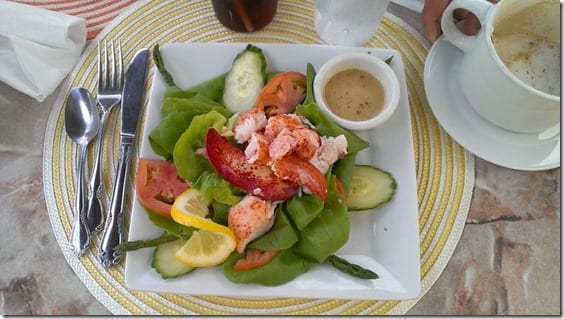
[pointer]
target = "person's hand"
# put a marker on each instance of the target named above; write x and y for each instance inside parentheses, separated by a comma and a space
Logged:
(431, 19)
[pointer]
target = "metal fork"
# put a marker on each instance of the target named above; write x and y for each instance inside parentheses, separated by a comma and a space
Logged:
(110, 85)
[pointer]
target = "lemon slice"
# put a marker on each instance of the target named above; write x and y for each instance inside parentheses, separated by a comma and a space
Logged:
(206, 248)
(212, 243)
(190, 209)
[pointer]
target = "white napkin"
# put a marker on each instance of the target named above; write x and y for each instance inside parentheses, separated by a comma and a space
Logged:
(38, 47)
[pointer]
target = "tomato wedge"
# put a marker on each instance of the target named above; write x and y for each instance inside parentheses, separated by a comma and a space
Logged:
(256, 179)
(254, 258)
(157, 185)
(282, 93)
(293, 168)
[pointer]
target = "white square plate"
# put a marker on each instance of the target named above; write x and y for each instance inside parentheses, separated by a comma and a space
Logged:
(385, 240)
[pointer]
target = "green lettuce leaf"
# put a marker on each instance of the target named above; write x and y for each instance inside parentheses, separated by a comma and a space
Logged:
(329, 231)
(169, 225)
(213, 187)
(212, 88)
(284, 267)
(303, 209)
(189, 164)
(176, 115)
(196, 104)
(343, 169)
(281, 236)
(220, 212)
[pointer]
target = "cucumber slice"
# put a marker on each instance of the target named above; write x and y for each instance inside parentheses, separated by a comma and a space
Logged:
(370, 188)
(245, 80)
(166, 264)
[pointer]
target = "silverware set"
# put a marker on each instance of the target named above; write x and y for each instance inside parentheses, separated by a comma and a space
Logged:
(85, 120)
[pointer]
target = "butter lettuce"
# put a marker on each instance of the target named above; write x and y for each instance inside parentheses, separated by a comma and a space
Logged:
(176, 115)
(303, 209)
(285, 266)
(212, 186)
(329, 231)
(189, 164)
(212, 88)
(197, 103)
(281, 236)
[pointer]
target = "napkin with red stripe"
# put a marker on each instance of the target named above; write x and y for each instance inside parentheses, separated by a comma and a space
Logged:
(41, 40)
(38, 47)
(97, 13)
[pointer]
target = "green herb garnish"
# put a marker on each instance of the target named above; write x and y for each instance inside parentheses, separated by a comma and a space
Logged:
(158, 59)
(351, 269)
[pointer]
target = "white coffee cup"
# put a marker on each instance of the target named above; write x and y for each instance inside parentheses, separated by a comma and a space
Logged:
(496, 92)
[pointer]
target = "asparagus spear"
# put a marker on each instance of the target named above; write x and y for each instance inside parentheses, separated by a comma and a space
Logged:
(158, 59)
(351, 269)
(138, 244)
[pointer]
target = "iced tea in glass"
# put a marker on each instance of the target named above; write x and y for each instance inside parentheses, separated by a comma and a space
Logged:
(245, 15)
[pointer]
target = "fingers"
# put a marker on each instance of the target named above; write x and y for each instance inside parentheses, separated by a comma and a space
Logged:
(431, 18)
(460, 14)
(471, 25)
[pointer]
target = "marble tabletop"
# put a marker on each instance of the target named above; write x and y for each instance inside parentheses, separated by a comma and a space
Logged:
(507, 261)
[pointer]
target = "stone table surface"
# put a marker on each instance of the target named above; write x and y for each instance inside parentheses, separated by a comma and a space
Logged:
(507, 261)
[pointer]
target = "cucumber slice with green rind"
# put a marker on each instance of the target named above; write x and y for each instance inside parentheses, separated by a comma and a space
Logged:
(245, 80)
(166, 264)
(370, 188)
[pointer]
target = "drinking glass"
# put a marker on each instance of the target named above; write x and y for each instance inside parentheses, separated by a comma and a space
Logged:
(351, 22)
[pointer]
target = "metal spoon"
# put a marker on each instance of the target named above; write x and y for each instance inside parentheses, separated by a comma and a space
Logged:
(82, 123)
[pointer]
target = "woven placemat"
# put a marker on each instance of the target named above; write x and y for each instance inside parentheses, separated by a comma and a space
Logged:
(445, 171)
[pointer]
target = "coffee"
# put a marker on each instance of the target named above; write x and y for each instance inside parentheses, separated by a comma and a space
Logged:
(527, 47)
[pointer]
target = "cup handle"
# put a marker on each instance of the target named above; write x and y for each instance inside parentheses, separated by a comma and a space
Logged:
(479, 8)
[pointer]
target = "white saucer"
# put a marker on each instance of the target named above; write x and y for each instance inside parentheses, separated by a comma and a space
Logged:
(522, 151)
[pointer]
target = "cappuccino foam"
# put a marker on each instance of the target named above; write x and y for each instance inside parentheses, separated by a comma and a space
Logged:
(533, 60)
(528, 43)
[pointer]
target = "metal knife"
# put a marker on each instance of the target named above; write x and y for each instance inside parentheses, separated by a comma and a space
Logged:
(131, 102)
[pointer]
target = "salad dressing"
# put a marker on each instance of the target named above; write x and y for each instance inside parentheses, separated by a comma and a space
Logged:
(354, 95)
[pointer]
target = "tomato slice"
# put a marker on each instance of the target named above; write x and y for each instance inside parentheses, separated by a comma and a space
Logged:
(293, 168)
(256, 179)
(282, 93)
(254, 258)
(157, 185)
